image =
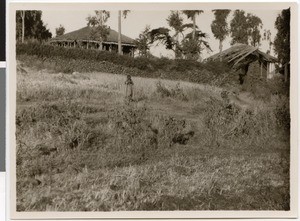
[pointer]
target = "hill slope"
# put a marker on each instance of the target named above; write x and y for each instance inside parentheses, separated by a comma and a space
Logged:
(177, 146)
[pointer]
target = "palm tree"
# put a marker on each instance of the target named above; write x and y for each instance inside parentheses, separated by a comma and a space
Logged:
(191, 14)
(125, 12)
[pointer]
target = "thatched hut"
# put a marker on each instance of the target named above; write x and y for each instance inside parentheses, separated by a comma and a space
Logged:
(240, 56)
(86, 38)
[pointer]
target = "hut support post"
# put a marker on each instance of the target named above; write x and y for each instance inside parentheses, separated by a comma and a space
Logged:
(87, 45)
(268, 69)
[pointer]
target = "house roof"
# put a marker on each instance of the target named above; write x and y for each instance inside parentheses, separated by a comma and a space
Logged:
(84, 34)
(240, 52)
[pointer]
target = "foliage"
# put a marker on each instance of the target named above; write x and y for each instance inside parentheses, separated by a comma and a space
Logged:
(162, 35)
(282, 38)
(60, 30)
(267, 37)
(255, 25)
(97, 22)
(191, 13)
(99, 19)
(189, 46)
(125, 13)
(69, 54)
(245, 29)
(193, 44)
(238, 28)
(143, 42)
(175, 21)
(34, 26)
(219, 26)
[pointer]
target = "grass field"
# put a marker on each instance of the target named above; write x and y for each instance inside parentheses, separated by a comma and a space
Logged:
(177, 146)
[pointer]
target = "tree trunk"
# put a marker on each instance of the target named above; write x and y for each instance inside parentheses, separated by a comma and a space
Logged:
(194, 26)
(23, 25)
(221, 46)
(221, 49)
(176, 46)
(119, 34)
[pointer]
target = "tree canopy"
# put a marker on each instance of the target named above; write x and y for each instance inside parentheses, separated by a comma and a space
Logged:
(245, 29)
(282, 38)
(34, 26)
(254, 27)
(219, 26)
(184, 44)
(238, 28)
(60, 30)
(143, 42)
(97, 22)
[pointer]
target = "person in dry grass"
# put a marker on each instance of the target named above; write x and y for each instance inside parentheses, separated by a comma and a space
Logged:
(129, 88)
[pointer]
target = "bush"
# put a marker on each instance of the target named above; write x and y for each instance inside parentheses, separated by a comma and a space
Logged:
(176, 92)
(226, 123)
(68, 60)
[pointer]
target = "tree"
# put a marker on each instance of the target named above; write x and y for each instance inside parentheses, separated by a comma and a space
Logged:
(175, 21)
(219, 26)
(267, 37)
(189, 46)
(193, 44)
(99, 31)
(239, 28)
(60, 30)
(120, 13)
(254, 27)
(245, 29)
(29, 25)
(143, 42)
(282, 38)
(191, 14)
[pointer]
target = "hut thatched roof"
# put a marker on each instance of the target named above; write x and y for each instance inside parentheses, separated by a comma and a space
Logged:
(84, 34)
(240, 53)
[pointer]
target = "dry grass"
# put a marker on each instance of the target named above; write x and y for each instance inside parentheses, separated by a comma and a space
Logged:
(80, 147)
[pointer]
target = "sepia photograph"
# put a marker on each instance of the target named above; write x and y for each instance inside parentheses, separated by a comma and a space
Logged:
(182, 108)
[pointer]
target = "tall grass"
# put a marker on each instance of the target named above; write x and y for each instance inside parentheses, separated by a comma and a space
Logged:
(80, 147)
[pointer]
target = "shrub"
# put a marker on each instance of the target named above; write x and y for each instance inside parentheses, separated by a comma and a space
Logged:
(68, 60)
(226, 123)
(176, 92)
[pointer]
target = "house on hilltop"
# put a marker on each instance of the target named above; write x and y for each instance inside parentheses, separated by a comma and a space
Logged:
(84, 38)
(240, 56)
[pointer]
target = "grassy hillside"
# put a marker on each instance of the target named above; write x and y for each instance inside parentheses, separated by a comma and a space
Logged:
(177, 146)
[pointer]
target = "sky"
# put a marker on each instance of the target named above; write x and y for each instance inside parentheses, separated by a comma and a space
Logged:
(136, 22)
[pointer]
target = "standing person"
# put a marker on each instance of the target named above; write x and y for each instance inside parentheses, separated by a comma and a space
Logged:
(129, 88)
